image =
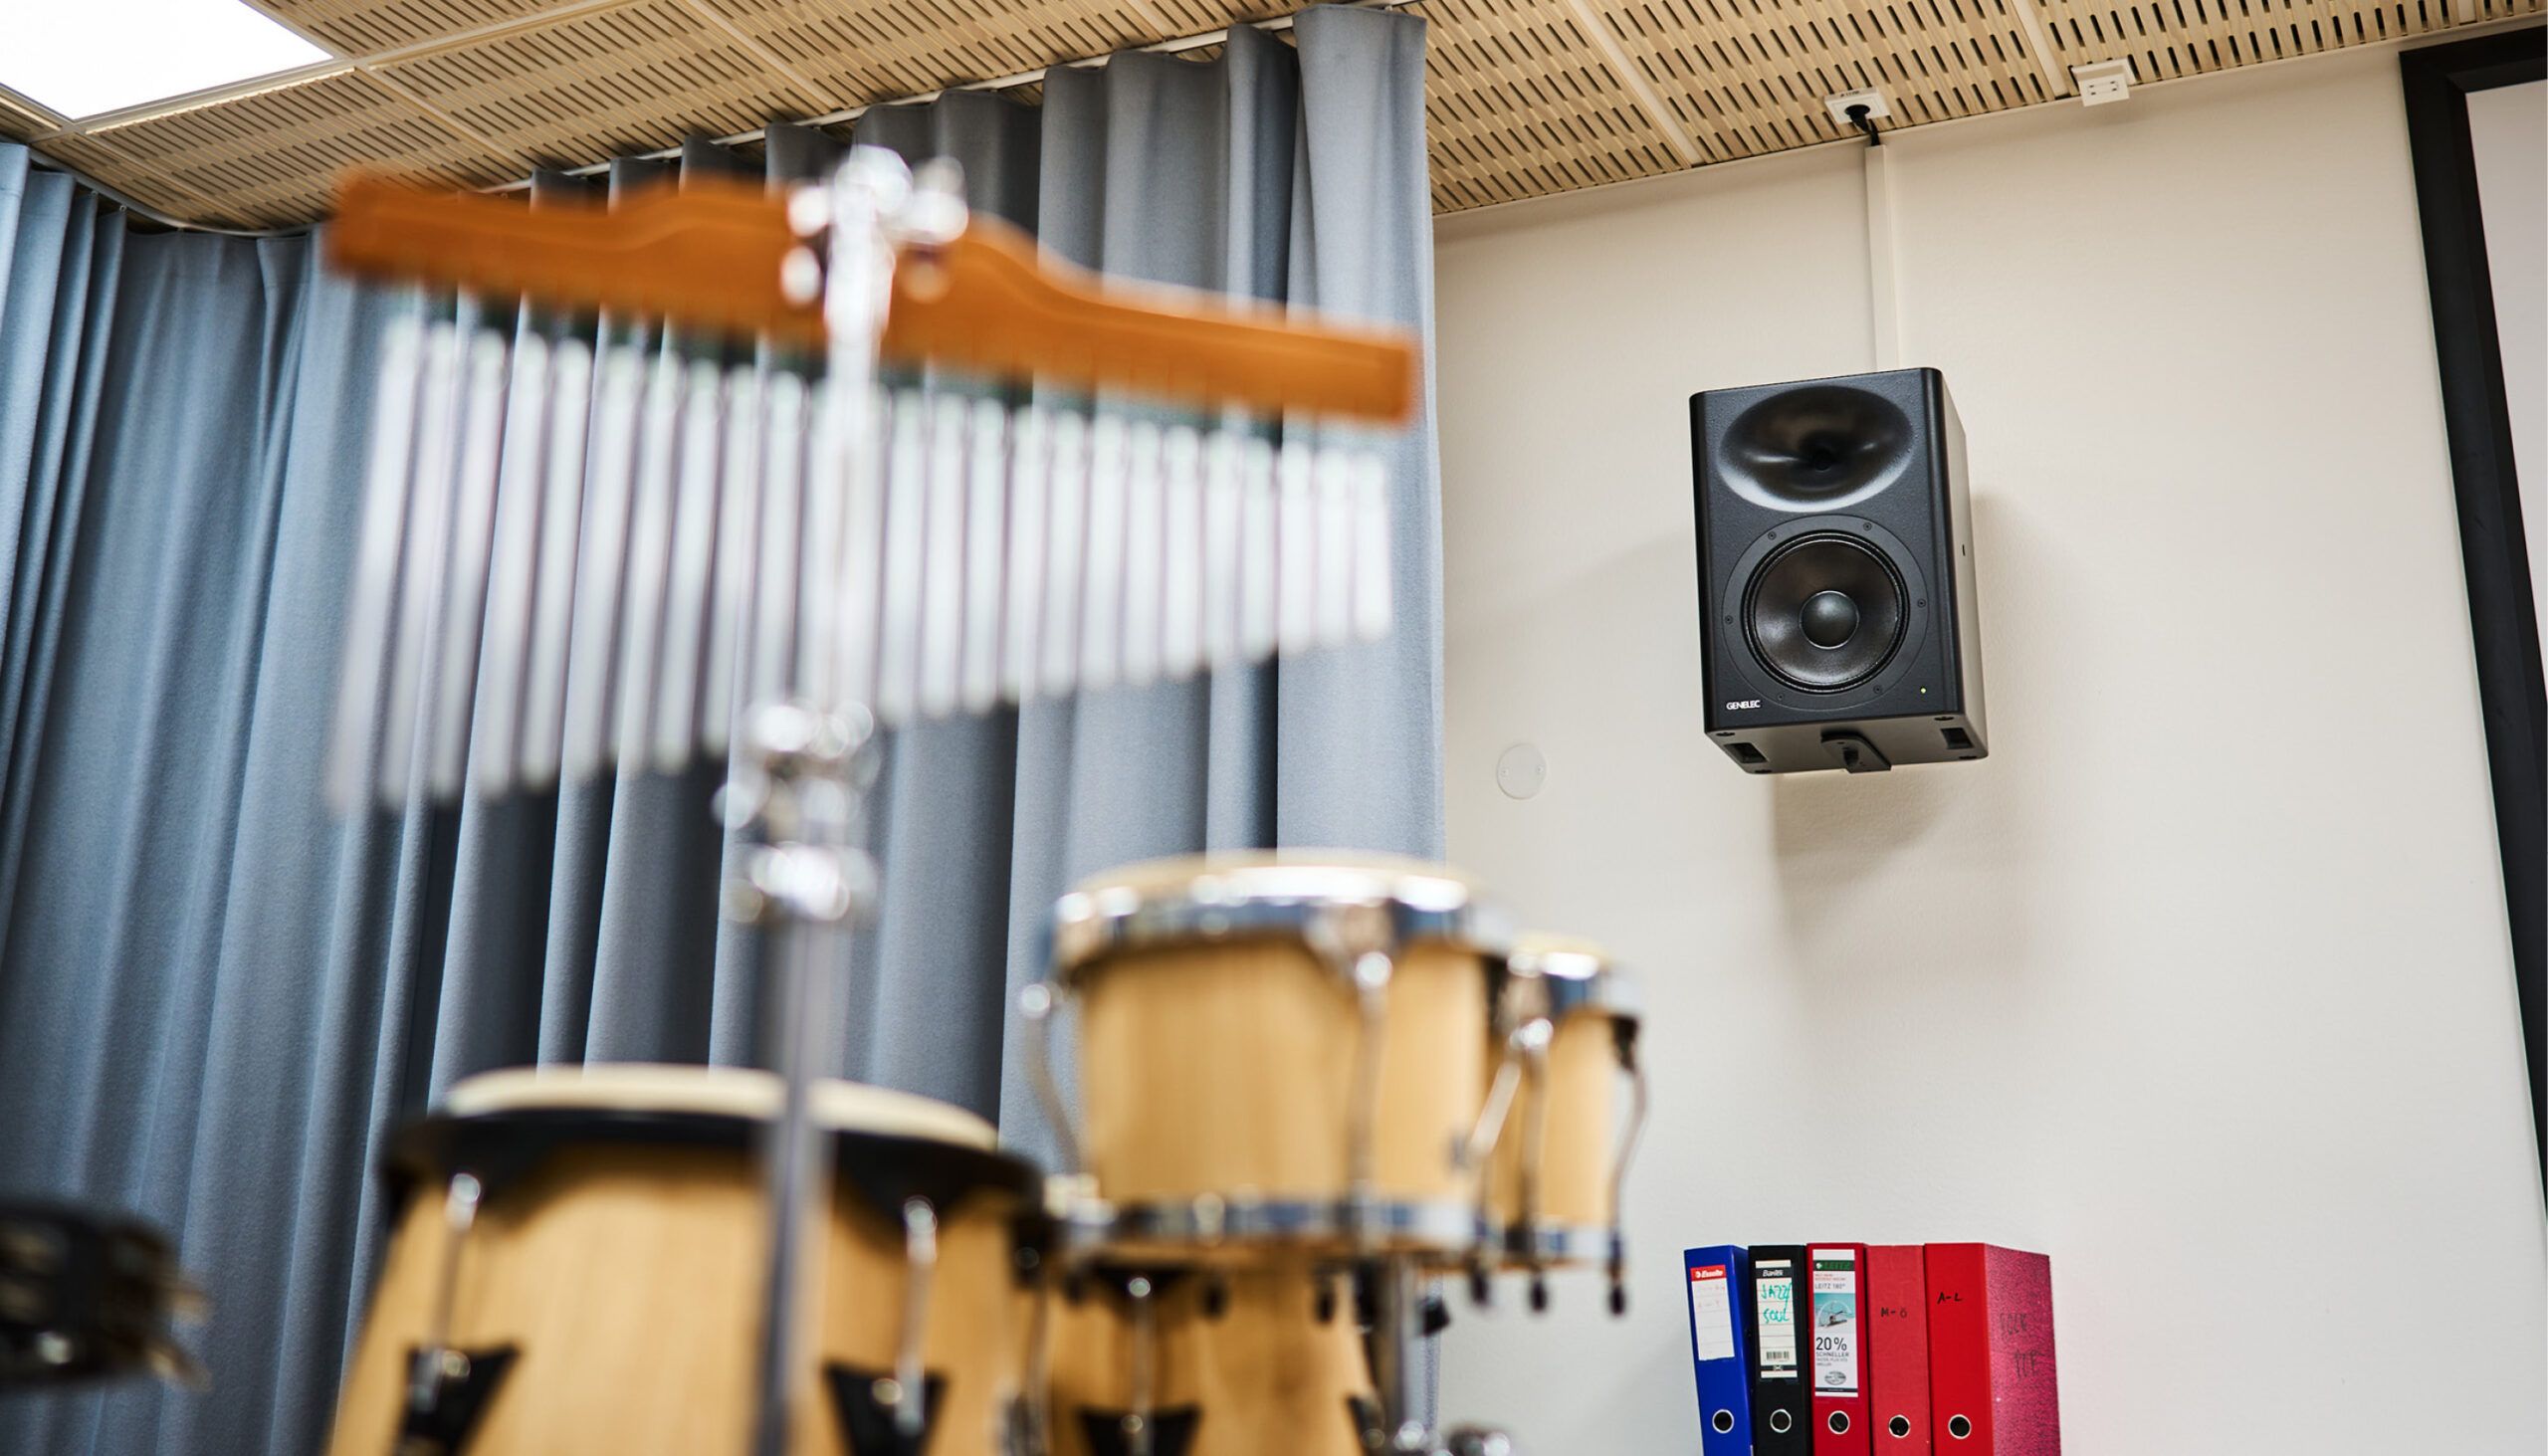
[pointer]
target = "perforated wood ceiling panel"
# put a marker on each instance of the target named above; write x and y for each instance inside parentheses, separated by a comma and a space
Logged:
(362, 26)
(618, 79)
(1517, 104)
(21, 122)
(272, 156)
(875, 50)
(93, 158)
(2165, 38)
(1524, 97)
(1745, 76)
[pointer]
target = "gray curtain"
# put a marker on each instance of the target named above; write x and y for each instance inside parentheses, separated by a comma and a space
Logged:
(215, 998)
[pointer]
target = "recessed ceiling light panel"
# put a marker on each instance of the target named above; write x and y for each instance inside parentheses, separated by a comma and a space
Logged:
(85, 58)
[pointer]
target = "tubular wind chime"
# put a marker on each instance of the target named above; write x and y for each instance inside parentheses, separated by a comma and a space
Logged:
(574, 558)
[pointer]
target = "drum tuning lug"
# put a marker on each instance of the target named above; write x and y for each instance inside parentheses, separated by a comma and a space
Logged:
(1477, 1441)
(1437, 1315)
(442, 1410)
(867, 1408)
(1481, 1288)
(1367, 1294)
(1217, 1298)
(174, 1365)
(1365, 1414)
(186, 1299)
(1539, 1293)
(22, 1303)
(1618, 1299)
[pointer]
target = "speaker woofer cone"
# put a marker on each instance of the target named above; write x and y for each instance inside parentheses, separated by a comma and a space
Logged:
(1825, 612)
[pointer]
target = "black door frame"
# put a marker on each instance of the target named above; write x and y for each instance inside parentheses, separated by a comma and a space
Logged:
(2501, 615)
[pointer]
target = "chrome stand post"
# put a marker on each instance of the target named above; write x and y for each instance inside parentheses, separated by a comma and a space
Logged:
(801, 886)
(797, 768)
(1397, 1354)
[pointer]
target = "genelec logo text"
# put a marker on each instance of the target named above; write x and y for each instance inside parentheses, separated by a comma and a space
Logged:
(1740, 704)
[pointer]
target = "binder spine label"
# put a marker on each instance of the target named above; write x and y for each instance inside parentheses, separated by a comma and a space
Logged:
(1774, 1286)
(1836, 1322)
(1711, 1313)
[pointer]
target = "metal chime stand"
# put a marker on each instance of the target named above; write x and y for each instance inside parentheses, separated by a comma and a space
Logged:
(801, 886)
(1397, 1356)
(798, 770)
(882, 561)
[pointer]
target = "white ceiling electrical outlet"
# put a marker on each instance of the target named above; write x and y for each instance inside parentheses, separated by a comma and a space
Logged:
(2104, 81)
(98, 55)
(1872, 99)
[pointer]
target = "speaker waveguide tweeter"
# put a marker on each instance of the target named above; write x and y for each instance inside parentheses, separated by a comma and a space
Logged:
(1835, 566)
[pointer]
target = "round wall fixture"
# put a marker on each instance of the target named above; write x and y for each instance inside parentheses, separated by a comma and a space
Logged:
(1521, 771)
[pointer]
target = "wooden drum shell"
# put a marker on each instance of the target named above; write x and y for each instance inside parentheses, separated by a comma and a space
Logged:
(1269, 1378)
(1579, 1101)
(1228, 1069)
(629, 1279)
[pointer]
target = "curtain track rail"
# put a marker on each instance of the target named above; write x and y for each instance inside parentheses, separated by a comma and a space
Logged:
(998, 83)
(662, 154)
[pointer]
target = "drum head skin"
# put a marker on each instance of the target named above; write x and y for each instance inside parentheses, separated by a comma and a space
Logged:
(729, 1092)
(612, 1274)
(1277, 893)
(887, 1145)
(1574, 976)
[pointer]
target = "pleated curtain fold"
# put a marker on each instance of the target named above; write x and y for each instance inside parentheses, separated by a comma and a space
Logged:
(216, 998)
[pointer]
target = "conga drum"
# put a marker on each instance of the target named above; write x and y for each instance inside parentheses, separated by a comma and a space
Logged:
(1176, 1360)
(581, 1256)
(1277, 1050)
(1566, 1024)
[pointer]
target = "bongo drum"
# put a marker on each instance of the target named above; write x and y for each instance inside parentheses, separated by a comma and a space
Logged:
(579, 1265)
(89, 1295)
(1278, 1049)
(1186, 1361)
(1567, 1070)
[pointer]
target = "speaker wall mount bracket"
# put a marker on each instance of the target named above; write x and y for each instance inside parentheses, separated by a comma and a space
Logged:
(1853, 753)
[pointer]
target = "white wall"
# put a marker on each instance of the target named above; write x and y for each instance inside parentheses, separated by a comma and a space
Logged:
(2201, 981)
(2508, 133)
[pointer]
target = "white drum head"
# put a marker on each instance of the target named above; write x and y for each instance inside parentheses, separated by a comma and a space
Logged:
(1271, 894)
(737, 1092)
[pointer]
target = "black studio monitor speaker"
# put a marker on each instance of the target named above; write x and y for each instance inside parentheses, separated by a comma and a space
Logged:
(1838, 623)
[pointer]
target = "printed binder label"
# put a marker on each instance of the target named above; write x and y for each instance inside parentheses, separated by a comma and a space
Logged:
(1836, 1322)
(1774, 1286)
(1711, 1311)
